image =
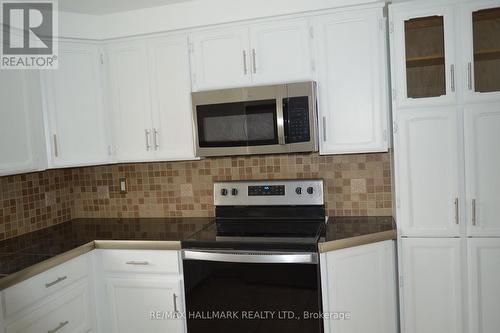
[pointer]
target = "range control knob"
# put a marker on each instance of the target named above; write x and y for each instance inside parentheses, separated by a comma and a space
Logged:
(234, 191)
(310, 190)
(223, 192)
(298, 190)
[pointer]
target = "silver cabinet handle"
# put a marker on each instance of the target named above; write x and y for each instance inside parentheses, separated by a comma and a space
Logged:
(474, 216)
(56, 150)
(245, 69)
(254, 61)
(147, 133)
(324, 129)
(50, 284)
(452, 73)
(61, 325)
(138, 263)
(469, 75)
(175, 303)
(457, 217)
(156, 139)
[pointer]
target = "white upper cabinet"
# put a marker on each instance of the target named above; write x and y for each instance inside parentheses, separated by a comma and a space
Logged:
(481, 45)
(131, 99)
(427, 172)
(21, 122)
(423, 54)
(171, 98)
(281, 52)
(482, 155)
(431, 286)
(484, 284)
(78, 125)
(221, 59)
(352, 81)
(259, 54)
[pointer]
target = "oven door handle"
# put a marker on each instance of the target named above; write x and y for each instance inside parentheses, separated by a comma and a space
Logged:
(253, 257)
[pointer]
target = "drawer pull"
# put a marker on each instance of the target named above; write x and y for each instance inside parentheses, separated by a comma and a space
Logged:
(138, 263)
(61, 325)
(50, 284)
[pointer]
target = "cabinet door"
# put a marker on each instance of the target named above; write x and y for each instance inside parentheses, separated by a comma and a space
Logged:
(142, 304)
(482, 155)
(171, 94)
(362, 282)
(221, 59)
(130, 86)
(484, 284)
(431, 285)
(352, 82)
(427, 172)
(281, 52)
(75, 107)
(423, 56)
(21, 122)
(482, 50)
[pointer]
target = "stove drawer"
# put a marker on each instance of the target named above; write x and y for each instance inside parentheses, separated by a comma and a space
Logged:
(140, 261)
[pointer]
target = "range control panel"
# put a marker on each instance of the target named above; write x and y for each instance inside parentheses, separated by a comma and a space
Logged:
(269, 193)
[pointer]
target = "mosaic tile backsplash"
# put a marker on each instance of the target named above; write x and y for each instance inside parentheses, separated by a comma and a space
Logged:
(355, 185)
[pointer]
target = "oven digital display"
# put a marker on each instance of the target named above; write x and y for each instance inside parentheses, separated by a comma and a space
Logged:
(266, 190)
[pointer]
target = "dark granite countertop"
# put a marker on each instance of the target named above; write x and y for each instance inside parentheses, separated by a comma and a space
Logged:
(343, 232)
(35, 247)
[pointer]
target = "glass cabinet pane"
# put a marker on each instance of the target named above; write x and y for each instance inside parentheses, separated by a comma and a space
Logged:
(425, 57)
(486, 33)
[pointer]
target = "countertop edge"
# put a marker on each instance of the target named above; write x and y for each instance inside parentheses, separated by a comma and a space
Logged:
(137, 245)
(357, 241)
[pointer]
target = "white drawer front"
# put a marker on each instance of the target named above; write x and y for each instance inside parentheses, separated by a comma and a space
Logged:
(69, 313)
(140, 261)
(28, 292)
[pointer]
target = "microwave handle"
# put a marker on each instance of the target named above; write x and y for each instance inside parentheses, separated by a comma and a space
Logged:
(281, 121)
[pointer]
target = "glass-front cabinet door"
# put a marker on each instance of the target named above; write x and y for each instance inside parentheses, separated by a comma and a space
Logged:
(423, 51)
(483, 50)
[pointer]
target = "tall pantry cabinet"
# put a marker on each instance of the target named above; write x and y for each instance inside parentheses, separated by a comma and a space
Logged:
(445, 64)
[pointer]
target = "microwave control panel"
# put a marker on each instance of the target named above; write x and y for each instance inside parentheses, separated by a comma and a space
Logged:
(296, 113)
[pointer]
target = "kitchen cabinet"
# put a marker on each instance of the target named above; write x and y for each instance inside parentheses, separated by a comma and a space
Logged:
(360, 281)
(482, 165)
(431, 285)
(481, 43)
(151, 99)
(423, 54)
(426, 146)
(143, 304)
(352, 81)
(21, 123)
(259, 54)
(484, 287)
(77, 119)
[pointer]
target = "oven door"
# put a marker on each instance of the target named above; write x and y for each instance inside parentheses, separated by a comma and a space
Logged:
(243, 292)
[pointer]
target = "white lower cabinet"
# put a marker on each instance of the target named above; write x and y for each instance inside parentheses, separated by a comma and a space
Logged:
(432, 285)
(484, 284)
(361, 282)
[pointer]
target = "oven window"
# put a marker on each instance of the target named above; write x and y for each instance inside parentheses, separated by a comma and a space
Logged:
(237, 124)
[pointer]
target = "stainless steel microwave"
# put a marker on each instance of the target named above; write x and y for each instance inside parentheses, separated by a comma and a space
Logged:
(256, 120)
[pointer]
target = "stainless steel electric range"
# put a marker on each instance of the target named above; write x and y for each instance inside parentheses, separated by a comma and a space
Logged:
(256, 268)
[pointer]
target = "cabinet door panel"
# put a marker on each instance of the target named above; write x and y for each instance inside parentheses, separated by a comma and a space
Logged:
(482, 135)
(78, 123)
(423, 56)
(171, 92)
(432, 285)
(130, 86)
(484, 280)
(280, 52)
(133, 299)
(221, 59)
(427, 172)
(352, 82)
